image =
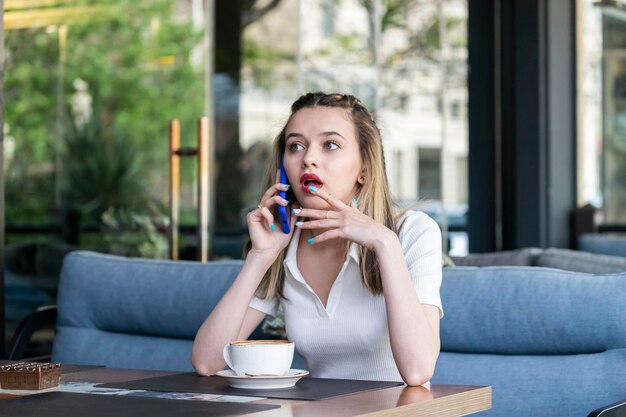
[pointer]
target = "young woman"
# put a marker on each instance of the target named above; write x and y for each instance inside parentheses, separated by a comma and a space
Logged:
(358, 286)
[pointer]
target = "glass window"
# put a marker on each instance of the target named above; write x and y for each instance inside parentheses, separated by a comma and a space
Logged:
(405, 60)
(96, 83)
(90, 88)
(602, 109)
(93, 85)
(429, 173)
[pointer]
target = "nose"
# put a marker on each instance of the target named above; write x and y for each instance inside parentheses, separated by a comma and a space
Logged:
(310, 160)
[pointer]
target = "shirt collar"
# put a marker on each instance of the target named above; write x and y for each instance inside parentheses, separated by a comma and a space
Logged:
(353, 252)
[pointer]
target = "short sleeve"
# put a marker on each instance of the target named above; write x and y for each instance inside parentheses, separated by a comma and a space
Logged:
(420, 238)
(267, 306)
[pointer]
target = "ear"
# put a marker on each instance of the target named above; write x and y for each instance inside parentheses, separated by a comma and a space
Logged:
(363, 176)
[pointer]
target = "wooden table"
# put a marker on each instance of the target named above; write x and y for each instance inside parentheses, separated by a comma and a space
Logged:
(440, 400)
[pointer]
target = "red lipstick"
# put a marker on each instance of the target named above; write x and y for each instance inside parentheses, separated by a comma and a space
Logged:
(310, 179)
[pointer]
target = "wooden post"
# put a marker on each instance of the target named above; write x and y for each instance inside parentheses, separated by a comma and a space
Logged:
(203, 165)
(174, 132)
(203, 189)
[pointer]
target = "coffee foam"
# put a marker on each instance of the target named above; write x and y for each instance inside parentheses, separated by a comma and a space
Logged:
(259, 342)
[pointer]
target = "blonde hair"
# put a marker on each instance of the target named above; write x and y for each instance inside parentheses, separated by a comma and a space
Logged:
(373, 196)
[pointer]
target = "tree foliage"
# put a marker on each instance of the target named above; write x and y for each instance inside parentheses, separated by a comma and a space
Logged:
(140, 64)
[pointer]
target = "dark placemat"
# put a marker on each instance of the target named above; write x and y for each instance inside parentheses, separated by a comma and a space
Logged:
(306, 389)
(64, 404)
(69, 368)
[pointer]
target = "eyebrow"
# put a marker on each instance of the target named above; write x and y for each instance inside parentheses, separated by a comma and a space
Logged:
(328, 133)
(333, 133)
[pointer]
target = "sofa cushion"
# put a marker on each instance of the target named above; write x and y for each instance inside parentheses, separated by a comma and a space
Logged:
(90, 346)
(126, 295)
(518, 257)
(531, 310)
(539, 385)
(548, 342)
(135, 313)
(574, 260)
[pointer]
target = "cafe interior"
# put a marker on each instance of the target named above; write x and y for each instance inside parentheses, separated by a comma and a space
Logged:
(136, 136)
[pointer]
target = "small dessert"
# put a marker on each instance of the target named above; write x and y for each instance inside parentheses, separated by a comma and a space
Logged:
(30, 375)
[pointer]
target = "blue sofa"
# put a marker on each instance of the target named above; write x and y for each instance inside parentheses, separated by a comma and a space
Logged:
(565, 259)
(549, 342)
(603, 243)
(135, 313)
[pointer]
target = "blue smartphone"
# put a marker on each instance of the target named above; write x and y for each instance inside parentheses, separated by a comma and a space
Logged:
(285, 212)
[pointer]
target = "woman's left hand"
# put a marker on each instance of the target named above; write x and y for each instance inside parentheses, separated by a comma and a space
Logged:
(343, 221)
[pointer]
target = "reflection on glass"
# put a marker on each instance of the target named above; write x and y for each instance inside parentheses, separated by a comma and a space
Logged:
(615, 133)
(602, 109)
(91, 87)
(95, 84)
(589, 124)
(417, 86)
(93, 97)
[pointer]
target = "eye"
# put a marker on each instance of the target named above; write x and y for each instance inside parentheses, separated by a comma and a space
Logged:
(331, 145)
(294, 147)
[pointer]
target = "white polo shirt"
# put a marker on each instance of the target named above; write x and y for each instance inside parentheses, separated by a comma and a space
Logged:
(349, 338)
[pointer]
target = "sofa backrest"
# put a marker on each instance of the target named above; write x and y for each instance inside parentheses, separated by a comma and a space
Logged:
(517, 257)
(603, 243)
(549, 342)
(569, 260)
(580, 261)
(135, 313)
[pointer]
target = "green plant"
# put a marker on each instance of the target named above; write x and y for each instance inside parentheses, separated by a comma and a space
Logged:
(103, 171)
(138, 61)
(128, 233)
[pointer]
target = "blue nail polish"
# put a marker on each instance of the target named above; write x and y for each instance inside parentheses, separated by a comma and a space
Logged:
(285, 201)
(310, 240)
(298, 223)
(356, 204)
(295, 211)
(286, 185)
(312, 189)
(273, 227)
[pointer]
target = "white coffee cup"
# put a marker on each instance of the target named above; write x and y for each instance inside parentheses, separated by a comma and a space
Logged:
(259, 357)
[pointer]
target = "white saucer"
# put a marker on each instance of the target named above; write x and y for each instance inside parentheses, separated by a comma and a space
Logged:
(263, 382)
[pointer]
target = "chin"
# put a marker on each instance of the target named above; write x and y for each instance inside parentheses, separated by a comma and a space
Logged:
(313, 202)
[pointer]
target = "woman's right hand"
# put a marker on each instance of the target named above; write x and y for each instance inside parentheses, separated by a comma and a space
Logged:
(267, 236)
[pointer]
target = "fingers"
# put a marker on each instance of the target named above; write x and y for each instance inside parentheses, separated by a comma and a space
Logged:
(323, 194)
(270, 199)
(293, 219)
(342, 222)
(265, 211)
(273, 190)
(319, 224)
(275, 200)
(325, 237)
(269, 218)
(320, 219)
(317, 214)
